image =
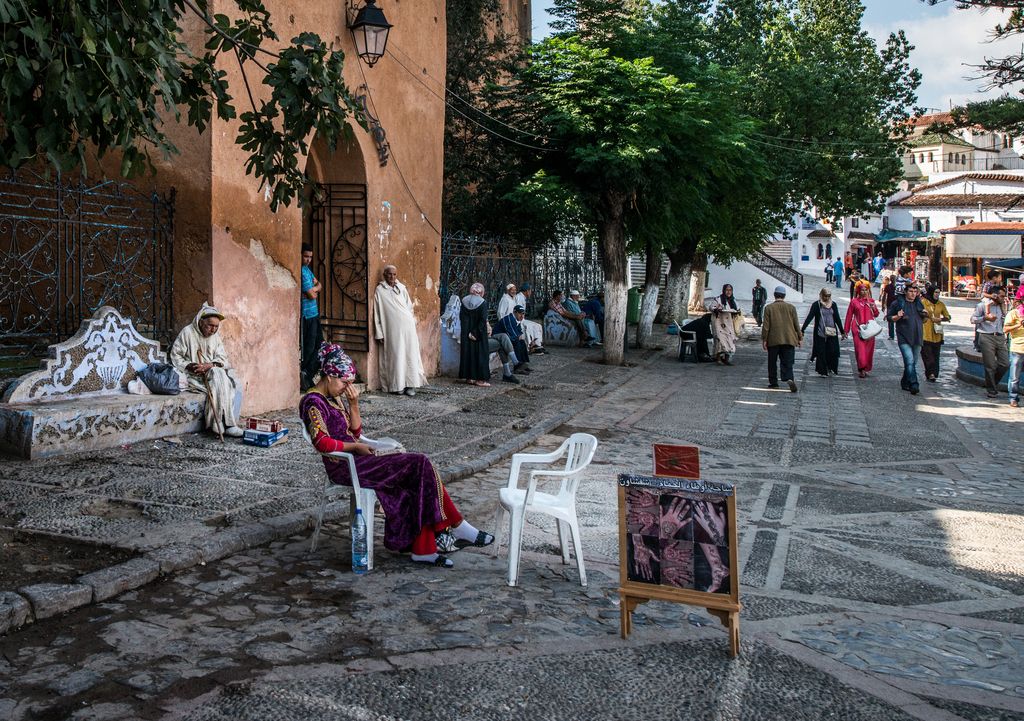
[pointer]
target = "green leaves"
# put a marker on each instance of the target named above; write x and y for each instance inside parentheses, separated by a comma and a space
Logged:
(106, 76)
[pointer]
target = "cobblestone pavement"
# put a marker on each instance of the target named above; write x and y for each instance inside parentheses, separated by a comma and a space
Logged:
(882, 579)
(159, 492)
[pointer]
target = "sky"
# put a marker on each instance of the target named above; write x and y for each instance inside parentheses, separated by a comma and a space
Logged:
(946, 41)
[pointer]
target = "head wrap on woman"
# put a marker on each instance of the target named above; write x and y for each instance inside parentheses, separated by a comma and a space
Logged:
(335, 362)
(1020, 294)
(861, 284)
(728, 301)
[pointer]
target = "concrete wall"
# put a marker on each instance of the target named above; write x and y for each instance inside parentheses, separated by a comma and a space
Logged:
(231, 250)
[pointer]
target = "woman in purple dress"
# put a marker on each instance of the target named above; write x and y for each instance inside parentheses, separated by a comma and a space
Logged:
(415, 502)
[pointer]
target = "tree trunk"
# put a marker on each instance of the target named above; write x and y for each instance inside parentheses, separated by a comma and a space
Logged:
(611, 231)
(699, 268)
(649, 303)
(677, 285)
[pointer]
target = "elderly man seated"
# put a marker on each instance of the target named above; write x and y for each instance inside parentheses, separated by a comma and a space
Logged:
(510, 327)
(572, 304)
(533, 332)
(198, 353)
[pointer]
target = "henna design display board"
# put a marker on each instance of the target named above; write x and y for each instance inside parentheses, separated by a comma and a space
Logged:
(678, 542)
(676, 461)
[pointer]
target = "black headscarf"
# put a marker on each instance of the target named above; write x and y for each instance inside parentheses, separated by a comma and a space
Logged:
(728, 300)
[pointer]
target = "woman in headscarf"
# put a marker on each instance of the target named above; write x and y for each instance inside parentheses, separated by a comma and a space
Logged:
(828, 327)
(723, 314)
(474, 354)
(415, 502)
(862, 309)
(931, 347)
(198, 353)
(887, 296)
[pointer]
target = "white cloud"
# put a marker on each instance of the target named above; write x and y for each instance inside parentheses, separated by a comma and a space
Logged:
(945, 44)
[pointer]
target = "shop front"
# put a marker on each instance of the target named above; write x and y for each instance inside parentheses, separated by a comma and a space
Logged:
(967, 248)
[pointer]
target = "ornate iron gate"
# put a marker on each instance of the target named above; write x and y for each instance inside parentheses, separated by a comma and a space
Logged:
(561, 265)
(68, 248)
(337, 218)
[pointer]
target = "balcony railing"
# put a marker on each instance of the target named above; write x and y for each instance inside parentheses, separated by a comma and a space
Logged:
(776, 269)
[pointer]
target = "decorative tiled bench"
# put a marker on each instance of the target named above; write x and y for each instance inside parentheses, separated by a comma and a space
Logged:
(78, 401)
(559, 332)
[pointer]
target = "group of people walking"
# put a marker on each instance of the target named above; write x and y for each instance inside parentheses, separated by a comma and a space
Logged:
(916, 323)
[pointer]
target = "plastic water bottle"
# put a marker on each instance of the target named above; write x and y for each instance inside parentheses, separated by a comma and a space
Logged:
(360, 564)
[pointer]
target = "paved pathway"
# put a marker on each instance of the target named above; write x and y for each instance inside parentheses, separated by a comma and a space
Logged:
(882, 578)
(186, 488)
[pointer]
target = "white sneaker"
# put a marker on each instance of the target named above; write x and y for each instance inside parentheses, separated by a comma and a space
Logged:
(234, 432)
(410, 392)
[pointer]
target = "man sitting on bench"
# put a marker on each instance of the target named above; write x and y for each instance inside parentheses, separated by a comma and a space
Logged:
(199, 354)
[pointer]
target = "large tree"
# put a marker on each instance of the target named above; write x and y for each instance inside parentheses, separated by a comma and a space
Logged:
(97, 77)
(630, 142)
(831, 109)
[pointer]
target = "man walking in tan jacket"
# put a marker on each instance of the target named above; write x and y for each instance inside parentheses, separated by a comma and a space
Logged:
(780, 336)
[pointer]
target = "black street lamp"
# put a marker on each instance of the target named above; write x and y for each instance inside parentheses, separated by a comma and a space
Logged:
(370, 32)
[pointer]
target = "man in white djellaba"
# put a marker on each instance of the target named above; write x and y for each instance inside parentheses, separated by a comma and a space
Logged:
(199, 355)
(394, 324)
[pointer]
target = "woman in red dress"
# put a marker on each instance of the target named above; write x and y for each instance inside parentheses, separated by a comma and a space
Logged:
(862, 309)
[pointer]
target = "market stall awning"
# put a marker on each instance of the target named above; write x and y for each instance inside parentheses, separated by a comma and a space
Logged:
(1007, 264)
(984, 240)
(894, 235)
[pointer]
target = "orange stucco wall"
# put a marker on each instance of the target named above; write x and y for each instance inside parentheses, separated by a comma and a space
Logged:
(231, 250)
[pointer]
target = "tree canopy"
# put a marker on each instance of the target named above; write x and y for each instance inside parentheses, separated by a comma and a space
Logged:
(105, 77)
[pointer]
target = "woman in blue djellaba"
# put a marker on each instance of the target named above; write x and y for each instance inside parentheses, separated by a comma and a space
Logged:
(421, 518)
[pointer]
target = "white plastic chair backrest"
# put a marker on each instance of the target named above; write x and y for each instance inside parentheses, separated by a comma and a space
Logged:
(580, 449)
(346, 456)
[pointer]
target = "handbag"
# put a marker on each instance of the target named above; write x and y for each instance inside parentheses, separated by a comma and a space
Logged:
(830, 331)
(870, 329)
(937, 328)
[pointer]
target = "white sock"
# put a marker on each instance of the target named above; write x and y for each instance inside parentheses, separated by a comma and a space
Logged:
(465, 532)
(427, 558)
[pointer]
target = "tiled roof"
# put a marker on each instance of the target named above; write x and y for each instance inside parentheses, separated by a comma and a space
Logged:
(929, 119)
(937, 139)
(1001, 201)
(997, 177)
(861, 235)
(1011, 228)
(821, 234)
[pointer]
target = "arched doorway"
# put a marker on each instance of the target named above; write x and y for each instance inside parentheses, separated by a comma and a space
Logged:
(334, 223)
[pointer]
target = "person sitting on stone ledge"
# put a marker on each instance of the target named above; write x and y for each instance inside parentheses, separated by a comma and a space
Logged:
(572, 304)
(555, 305)
(421, 517)
(198, 354)
(510, 327)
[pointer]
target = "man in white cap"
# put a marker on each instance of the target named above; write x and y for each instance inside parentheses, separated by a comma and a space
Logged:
(780, 336)
(573, 306)
(508, 301)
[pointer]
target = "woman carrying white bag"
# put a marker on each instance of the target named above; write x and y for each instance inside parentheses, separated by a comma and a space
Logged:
(934, 333)
(861, 324)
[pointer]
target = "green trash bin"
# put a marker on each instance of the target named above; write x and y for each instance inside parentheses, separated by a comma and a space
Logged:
(633, 306)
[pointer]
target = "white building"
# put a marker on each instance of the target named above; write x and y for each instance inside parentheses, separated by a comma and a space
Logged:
(959, 199)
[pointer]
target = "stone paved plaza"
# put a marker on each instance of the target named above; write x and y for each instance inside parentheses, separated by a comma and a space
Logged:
(882, 570)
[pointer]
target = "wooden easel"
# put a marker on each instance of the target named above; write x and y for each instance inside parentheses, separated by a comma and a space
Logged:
(725, 607)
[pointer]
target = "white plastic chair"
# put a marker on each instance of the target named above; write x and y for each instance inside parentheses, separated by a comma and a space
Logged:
(578, 451)
(364, 499)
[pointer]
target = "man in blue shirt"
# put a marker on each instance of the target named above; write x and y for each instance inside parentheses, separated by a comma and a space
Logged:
(837, 272)
(312, 335)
